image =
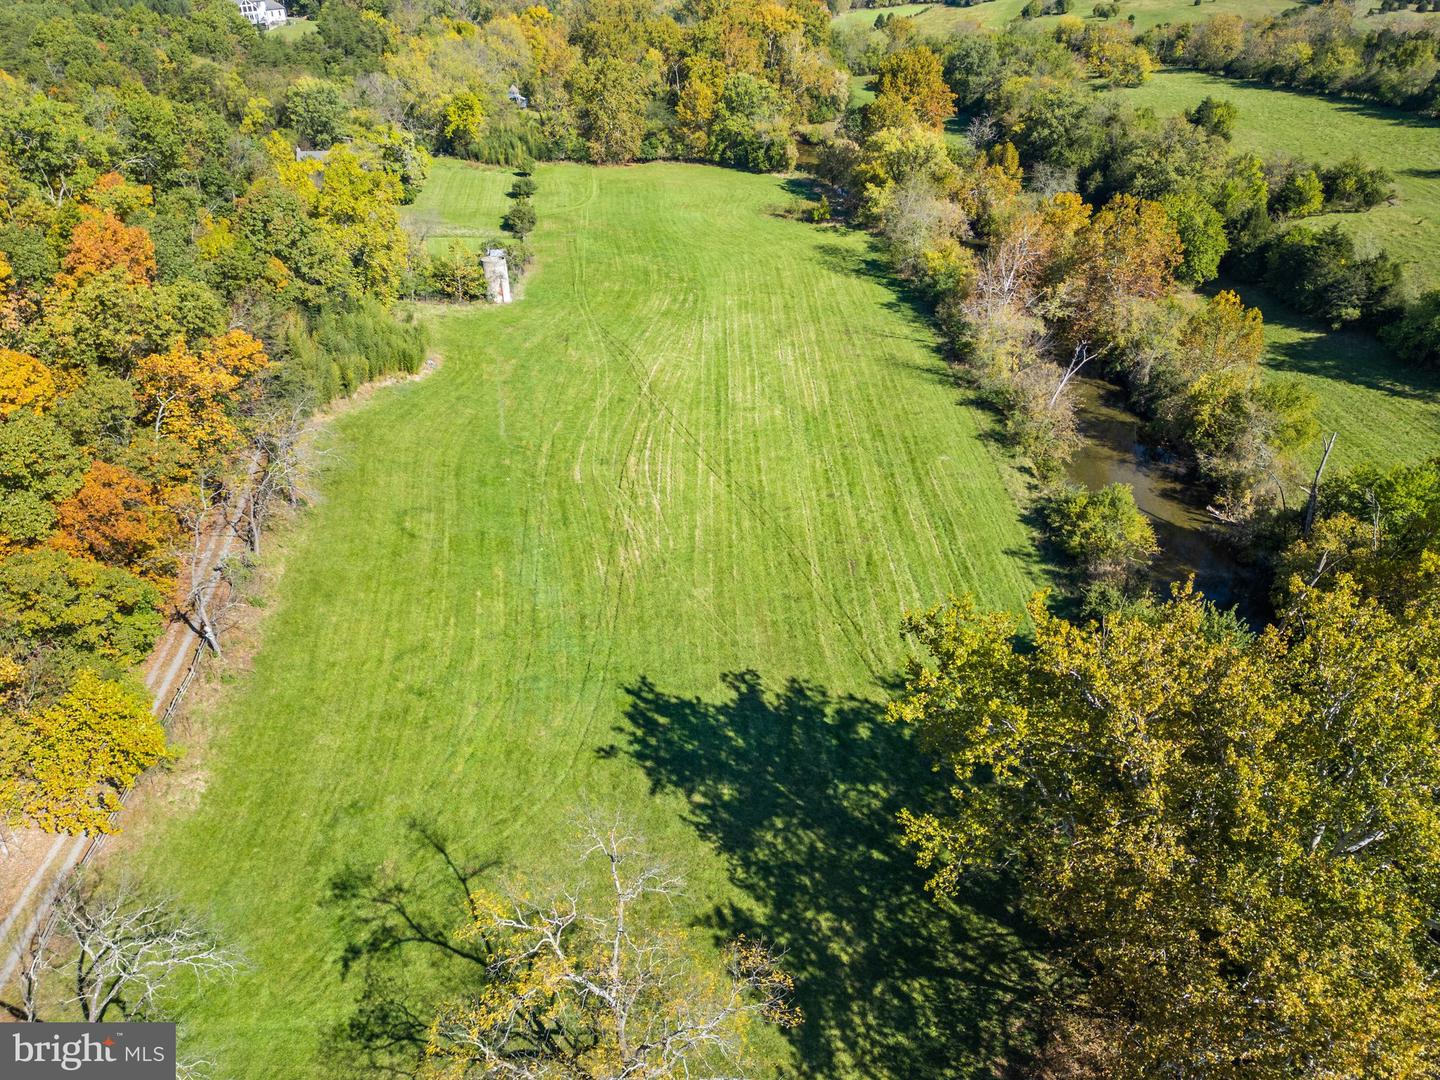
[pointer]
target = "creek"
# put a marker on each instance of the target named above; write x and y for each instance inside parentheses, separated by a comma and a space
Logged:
(1112, 451)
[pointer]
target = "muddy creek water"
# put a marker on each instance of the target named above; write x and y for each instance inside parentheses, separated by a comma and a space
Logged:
(1111, 451)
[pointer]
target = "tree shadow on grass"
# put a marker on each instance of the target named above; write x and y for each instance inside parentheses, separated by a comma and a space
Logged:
(870, 262)
(1348, 355)
(799, 790)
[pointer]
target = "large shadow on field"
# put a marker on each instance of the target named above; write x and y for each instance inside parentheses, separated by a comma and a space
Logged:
(800, 790)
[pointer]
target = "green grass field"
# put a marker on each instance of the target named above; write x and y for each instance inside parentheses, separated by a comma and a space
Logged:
(459, 207)
(1386, 413)
(942, 19)
(293, 30)
(641, 543)
(1324, 129)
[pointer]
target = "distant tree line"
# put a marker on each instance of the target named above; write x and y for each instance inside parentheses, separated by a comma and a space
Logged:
(1312, 46)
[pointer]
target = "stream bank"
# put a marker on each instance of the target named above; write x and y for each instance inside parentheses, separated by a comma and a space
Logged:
(1112, 451)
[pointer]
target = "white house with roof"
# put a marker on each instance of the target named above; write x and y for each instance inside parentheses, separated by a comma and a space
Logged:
(263, 13)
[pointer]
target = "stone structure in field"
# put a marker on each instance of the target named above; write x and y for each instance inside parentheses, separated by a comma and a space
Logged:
(497, 275)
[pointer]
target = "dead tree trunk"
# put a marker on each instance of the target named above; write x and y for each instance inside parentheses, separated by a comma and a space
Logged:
(1313, 504)
(1078, 360)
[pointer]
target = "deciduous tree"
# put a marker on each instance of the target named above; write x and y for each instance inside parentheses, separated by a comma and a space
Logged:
(25, 383)
(117, 518)
(118, 952)
(593, 988)
(39, 466)
(81, 753)
(185, 394)
(101, 242)
(1223, 826)
(915, 77)
(52, 599)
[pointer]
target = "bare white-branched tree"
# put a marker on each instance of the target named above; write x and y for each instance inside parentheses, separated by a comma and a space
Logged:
(204, 570)
(915, 219)
(982, 130)
(1078, 359)
(113, 951)
(602, 989)
(206, 518)
(125, 949)
(34, 963)
(282, 470)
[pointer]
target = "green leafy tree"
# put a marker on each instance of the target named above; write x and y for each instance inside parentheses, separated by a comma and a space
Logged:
(749, 130)
(520, 218)
(1375, 525)
(1321, 274)
(1216, 116)
(316, 109)
(1220, 826)
(1353, 185)
(1202, 236)
(611, 96)
(49, 598)
(1104, 532)
(39, 466)
(1416, 335)
(1300, 195)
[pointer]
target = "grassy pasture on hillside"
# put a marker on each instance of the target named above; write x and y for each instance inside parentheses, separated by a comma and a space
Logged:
(1386, 412)
(641, 542)
(1317, 128)
(293, 30)
(941, 19)
(458, 207)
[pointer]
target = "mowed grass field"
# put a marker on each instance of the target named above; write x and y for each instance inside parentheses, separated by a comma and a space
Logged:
(1326, 130)
(941, 19)
(459, 208)
(1386, 413)
(640, 544)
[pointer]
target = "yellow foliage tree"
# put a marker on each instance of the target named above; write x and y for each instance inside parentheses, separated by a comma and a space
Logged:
(184, 394)
(63, 768)
(25, 383)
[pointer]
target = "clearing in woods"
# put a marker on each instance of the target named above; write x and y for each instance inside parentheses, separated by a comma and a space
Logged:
(642, 542)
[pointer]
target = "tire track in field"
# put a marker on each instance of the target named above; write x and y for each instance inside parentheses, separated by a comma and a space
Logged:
(748, 498)
(614, 566)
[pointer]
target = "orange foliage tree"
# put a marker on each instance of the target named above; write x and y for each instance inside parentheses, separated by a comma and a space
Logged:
(187, 395)
(101, 242)
(116, 518)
